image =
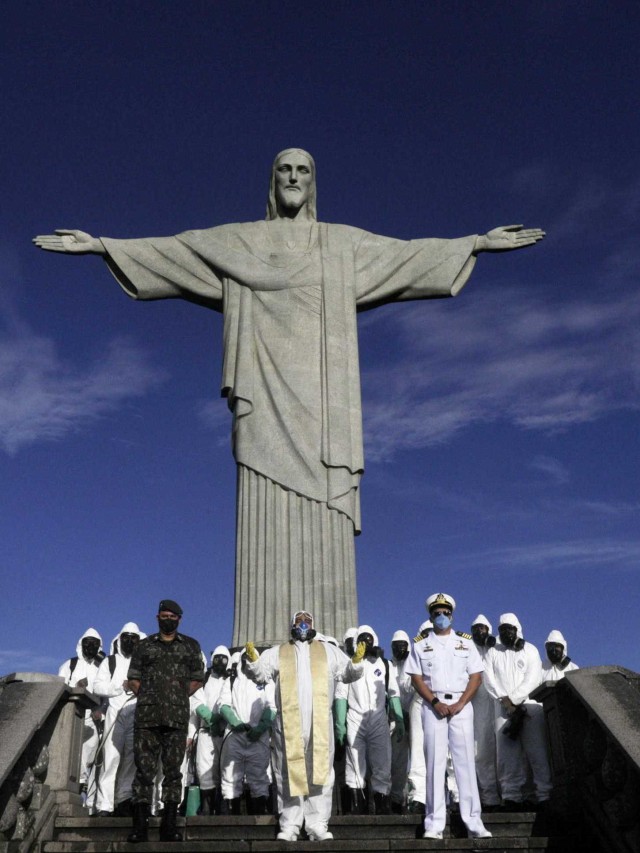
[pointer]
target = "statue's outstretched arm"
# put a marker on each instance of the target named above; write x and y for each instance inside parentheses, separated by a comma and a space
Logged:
(508, 237)
(72, 242)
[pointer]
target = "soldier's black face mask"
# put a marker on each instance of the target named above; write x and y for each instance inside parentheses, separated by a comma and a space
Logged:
(555, 652)
(90, 647)
(400, 649)
(219, 664)
(480, 634)
(508, 635)
(168, 626)
(128, 642)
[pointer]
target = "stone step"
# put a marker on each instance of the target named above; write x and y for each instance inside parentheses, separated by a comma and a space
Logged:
(264, 828)
(450, 845)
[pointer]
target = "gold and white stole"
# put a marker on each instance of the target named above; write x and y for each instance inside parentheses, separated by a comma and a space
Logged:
(292, 724)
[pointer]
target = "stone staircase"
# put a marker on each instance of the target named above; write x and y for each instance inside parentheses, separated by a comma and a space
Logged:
(519, 831)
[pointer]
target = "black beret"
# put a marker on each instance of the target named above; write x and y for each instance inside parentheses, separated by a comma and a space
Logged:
(171, 606)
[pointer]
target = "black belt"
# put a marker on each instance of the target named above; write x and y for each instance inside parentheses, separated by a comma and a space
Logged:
(448, 695)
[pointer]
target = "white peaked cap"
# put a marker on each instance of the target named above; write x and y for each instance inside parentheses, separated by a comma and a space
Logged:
(481, 619)
(440, 599)
(556, 637)
(367, 629)
(401, 636)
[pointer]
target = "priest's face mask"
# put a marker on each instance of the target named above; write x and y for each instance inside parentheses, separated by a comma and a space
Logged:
(219, 665)
(480, 634)
(400, 649)
(293, 177)
(508, 635)
(127, 644)
(303, 627)
(90, 647)
(555, 652)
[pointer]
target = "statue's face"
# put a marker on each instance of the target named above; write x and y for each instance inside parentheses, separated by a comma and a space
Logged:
(293, 180)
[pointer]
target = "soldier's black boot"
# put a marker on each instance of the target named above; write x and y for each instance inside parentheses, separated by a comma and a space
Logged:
(258, 805)
(140, 823)
(345, 800)
(358, 801)
(168, 831)
(234, 806)
(382, 803)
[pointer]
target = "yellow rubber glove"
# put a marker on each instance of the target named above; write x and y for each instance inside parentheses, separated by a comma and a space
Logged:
(361, 648)
(252, 654)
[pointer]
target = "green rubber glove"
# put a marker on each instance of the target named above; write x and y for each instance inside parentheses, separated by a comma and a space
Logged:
(233, 721)
(340, 720)
(395, 712)
(266, 721)
(207, 715)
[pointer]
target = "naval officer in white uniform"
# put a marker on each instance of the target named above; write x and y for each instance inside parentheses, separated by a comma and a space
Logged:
(446, 670)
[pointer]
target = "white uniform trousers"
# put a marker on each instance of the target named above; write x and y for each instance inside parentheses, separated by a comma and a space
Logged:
(368, 754)
(315, 809)
(454, 734)
(484, 732)
(417, 767)
(244, 759)
(208, 760)
(531, 746)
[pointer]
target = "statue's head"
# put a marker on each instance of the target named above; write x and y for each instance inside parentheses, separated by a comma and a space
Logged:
(292, 184)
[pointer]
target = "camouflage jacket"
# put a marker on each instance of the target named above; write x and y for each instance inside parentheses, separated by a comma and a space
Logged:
(165, 671)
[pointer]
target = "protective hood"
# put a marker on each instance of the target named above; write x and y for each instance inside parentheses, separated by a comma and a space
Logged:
(127, 628)
(401, 636)
(235, 658)
(511, 619)
(326, 639)
(90, 632)
(297, 613)
(350, 634)
(221, 650)
(556, 637)
(481, 619)
(427, 625)
(367, 629)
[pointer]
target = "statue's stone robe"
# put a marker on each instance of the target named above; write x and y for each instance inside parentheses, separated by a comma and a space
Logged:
(292, 381)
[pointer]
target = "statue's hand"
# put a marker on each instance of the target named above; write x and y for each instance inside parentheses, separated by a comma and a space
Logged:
(508, 237)
(252, 654)
(70, 241)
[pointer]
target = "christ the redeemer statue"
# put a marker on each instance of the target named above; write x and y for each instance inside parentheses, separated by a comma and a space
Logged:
(289, 288)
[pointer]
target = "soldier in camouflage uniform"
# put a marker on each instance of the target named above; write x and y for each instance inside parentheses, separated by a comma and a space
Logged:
(166, 668)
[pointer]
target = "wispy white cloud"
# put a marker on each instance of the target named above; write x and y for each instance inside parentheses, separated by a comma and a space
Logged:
(551, 468)
(42, 397)
(215, 415)
(500, 356)
(570, 554)
(26, 660)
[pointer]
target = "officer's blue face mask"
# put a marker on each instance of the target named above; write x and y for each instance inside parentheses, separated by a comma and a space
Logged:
(442, 622)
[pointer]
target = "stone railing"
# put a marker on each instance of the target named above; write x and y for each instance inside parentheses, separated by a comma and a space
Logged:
(41, 721)
(593, 723)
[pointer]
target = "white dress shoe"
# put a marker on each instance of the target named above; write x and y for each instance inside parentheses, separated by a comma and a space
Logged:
(431, 833)
(287, 836)
(480, 833)
(319, 835)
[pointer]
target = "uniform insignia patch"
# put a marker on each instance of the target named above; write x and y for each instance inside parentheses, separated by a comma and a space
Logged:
(464, 636)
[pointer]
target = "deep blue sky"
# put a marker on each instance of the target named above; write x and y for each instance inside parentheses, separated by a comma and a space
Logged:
(501, 427)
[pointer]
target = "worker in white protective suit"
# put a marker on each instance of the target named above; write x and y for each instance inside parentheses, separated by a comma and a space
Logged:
(400, 649)
(368, 753)
(349, 641)
(512, 670)
(249, 709)
(484, 723)
(81, 671)
(305, 672)
(111, 683)
(211, 730)
(446, 670)
(557, 662)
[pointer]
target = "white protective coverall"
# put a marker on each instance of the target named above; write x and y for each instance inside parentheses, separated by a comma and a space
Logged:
(209, 742)
(241, 757)
(90, 737)
(554, 672)
(117, 742)
(515, 674)
(368, 754)
(400, 748)
(313, 808)
(484, 732)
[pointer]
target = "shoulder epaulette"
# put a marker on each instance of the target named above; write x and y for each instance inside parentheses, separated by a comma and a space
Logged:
(464, 636)
(421, 636)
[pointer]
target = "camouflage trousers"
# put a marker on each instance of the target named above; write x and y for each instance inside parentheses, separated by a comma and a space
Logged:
(152, 745)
